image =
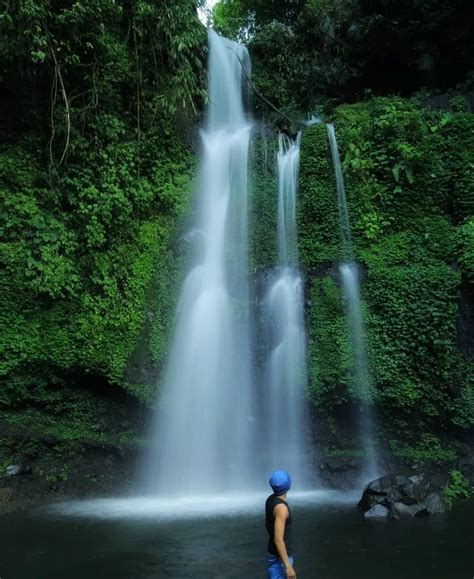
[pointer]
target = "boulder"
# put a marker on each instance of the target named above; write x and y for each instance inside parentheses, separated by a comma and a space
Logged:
(400, 510)
(377, 512)
(13, 469)
(434, 503)
(405, 495)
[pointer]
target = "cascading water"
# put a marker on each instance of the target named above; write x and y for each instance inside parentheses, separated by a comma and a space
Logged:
(361, 381)
(288, 168)
(285, 376)
(202, 440)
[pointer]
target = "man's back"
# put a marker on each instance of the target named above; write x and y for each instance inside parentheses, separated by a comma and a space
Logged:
(270, 504)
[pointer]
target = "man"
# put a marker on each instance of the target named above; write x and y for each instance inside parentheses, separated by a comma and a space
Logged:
(278, 524)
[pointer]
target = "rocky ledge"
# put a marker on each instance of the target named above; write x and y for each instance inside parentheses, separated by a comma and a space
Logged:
(88, 470)
(404, 495)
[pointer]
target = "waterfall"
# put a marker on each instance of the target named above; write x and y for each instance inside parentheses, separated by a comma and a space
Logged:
(344, 222)
(288, 168)
(361, 383)
(202, 436)
(285, 373)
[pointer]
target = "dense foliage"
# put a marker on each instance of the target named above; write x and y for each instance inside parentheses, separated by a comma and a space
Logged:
(409, 177)
(309, 53)
(95, 173)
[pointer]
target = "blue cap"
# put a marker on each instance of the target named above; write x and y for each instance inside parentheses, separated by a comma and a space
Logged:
(280, 481)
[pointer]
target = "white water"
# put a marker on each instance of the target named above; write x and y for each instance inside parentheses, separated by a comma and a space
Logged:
(202, 440)
(285, 375)
(288, 169)
(361, 383)
(344, 222)
(190, 507)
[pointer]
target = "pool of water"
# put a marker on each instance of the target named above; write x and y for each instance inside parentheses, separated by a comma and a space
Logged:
(225, 537)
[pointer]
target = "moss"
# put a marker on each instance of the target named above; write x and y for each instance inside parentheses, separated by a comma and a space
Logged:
(71, 414)
(407, 171)
(458, 488)
(343, 452)
(429, 448)
(263, 190)
(91, 288)
(328, 348)
(318, 224)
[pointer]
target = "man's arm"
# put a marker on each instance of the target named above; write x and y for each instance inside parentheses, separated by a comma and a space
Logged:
(281, 514)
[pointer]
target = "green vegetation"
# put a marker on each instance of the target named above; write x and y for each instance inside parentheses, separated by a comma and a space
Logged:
(309, 54)
(428, 449)
(408, 172)
(95, 175)
(328, 345)
(263, 187)
(458, 488)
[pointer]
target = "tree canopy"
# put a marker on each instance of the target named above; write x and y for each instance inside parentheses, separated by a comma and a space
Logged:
(308, 50)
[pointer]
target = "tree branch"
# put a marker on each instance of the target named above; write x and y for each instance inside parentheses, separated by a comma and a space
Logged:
(66, 104)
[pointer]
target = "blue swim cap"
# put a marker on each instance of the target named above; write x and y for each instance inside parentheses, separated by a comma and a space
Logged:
(280, 481)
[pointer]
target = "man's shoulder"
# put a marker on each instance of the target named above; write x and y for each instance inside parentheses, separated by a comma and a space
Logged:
(276, 503)
(281, 510)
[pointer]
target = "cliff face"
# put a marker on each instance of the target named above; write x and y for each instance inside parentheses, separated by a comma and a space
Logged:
(408, 174)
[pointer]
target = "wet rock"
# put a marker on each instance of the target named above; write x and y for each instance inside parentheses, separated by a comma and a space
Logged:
(401, 510)
(13, 469)
(339, 472)
(405, 495)
(377, 512)
(434, 504)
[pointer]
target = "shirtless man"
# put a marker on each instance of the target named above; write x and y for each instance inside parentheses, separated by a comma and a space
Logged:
(278, 524)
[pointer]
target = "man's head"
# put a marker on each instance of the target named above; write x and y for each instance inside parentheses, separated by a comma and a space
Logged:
(280, 481)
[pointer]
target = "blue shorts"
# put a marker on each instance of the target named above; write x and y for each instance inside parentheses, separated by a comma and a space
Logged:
(275, 567)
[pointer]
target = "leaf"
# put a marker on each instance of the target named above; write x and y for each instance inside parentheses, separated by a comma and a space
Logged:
(396, 172)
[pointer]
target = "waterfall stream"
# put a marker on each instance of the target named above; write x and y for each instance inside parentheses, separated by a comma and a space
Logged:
(285, 375)
(360, 382)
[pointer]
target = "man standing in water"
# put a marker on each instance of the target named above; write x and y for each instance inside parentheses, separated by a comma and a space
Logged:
(278, 524)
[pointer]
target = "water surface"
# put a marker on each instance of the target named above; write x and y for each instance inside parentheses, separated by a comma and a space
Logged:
(331, 542)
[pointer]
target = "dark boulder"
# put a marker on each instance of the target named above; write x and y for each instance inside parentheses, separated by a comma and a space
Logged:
(339, 472)
(405, 495)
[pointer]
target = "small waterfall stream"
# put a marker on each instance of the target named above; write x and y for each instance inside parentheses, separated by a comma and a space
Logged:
(361, 383)
(285, 375)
